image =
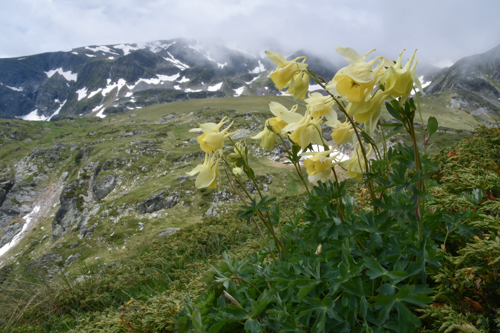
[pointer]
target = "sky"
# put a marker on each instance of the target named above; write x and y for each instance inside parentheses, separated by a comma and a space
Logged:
(443, 31)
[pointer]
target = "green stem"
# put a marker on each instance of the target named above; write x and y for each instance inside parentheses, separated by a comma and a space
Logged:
(297, 168)
(247, 282)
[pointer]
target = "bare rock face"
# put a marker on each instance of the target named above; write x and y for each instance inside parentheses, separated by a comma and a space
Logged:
(68, 213)
(158, 201)
(105, 186)
(10, 232)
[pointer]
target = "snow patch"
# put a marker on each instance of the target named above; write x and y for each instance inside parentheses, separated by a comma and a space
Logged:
(259, 69)
(93, 93)
(198, 48)
(253, 80)
(129, 94)
(177, 88)
(126, 48)
(184, 79)
(313, 87)
(81, 93)
(27, 221)
(101, 48)
(221, 65)
(67, 75)
(215, 87)
(191, 90)
(58, 110)
(33, 116)
(90, 55)
(14, 88)
(111, 58)
(239, 91)
(157, 46)
(76, 53)
(176, 62)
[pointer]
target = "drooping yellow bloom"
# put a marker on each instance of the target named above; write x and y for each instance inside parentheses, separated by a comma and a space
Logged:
(212, 139)
(368, 113)
(282, 119)
(238, 172)
(268, 137)
(400, 79)
(319, 105)
(356, 165)
(342, 132)
(208, 172)
(355, 81)
(305, 131)
(319, 166)
(290, 74)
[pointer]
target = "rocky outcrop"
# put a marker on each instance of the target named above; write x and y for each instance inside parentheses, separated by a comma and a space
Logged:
(158, 201)
(69, 212)
(10, 232)
(104, 187)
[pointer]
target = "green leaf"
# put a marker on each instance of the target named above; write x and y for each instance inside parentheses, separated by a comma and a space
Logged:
(306, 289)
(253, 326)
(432, 125)
(375, 269)
(197, 324)
(393, 112)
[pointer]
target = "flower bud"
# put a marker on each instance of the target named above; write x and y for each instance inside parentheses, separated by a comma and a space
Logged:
(319, 250)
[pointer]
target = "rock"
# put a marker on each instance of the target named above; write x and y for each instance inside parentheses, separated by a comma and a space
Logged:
(166, 118)
(212, 212)
(241, 134)
(167, 232)
(250, 187)
(181, 179)
(72, 258)
(72, 246)
(105, 186)
(158, 202)
(68, 213)
(266, 188)
(10, 232)
(82, 278)
(86, 232)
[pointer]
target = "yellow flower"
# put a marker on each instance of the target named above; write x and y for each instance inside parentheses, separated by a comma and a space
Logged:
(356, 165)
(319, 105)
(400, 79)
(319, 166)
(289, 74)
(357, 80)
(342, 132)
(282, 119)
(368, 113)
(208, 172)
(306, 131)
(268, 137)
(212, 139)
(238, 172)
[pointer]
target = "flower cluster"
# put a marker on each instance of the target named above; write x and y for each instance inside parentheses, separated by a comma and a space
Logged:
(358, 91)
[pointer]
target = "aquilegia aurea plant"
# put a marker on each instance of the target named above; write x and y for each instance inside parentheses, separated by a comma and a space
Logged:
(336, 266)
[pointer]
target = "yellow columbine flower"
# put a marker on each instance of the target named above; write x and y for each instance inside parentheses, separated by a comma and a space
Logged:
(342, 132)
(212, 139)
(290, 74)
(319, 105)
(306, 131)
(368, 113)
(357, 80)
(208, 172)
(356, 165)
(400, 79)
(319, 166)
(268, 137)
(283, 116)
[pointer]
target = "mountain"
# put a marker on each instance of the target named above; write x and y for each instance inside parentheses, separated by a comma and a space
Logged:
(107, 79)
(472, 85)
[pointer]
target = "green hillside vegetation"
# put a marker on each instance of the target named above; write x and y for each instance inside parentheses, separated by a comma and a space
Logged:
(130, 280)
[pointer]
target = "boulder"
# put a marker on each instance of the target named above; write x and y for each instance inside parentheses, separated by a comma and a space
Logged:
(105, 186)
(158, 202)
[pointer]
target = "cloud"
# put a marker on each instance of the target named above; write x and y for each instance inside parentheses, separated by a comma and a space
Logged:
(441, 30)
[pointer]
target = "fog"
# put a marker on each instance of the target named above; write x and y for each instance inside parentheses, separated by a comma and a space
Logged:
(442, 31)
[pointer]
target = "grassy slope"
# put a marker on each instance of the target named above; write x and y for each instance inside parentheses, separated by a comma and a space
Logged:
(43, 135)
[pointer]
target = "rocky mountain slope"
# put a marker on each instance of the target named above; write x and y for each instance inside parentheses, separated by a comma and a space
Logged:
(101, 80)
(471, 85)
(94, 188)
